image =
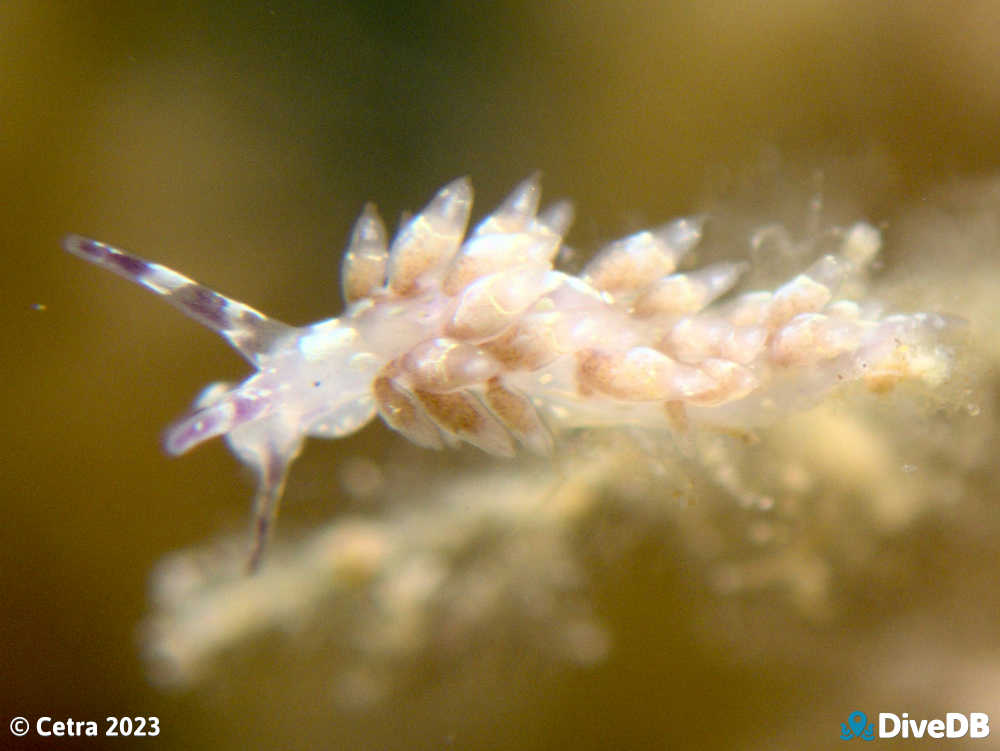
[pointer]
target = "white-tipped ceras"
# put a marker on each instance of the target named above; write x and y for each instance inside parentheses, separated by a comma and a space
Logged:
(454, 337)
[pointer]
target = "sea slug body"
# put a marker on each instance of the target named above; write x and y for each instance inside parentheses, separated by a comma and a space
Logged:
(453, 337)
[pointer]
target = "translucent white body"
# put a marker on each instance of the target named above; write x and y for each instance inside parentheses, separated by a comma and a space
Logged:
(476, 338)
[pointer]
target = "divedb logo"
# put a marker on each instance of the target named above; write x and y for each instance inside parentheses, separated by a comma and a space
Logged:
(954, 725)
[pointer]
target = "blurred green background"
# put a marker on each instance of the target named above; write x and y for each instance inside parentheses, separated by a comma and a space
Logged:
(237, 142)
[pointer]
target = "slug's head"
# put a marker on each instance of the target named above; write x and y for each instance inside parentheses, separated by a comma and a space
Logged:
(316, 381)
(309, 381)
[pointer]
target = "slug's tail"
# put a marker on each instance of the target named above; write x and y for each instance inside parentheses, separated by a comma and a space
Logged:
(249, 331)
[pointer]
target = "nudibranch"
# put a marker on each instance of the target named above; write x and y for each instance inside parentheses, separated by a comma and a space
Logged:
(453, 337)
